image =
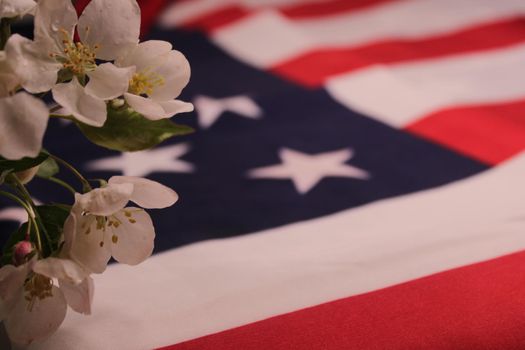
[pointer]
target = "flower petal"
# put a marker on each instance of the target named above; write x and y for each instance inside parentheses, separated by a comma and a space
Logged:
(132, 240)
(36, 71)
(55, 20)
(154, 110)
(173, 107)
(15, 8)
(84, 107)
(145, 55)
(146, 106)
(79, 296)
(89, 248)
(63, 269)
(23, 121)
(24, 325)
(69, 231)
(175, 71)
(112, 25)
(147, 193)
(106, 200)
(11, 282)
(8, 79)
(108, 81)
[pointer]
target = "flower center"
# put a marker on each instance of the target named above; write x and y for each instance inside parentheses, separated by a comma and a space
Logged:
(76, 57)
(37, 286)
(143, 83)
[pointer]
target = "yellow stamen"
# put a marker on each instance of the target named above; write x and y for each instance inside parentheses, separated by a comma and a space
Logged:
(144, 83)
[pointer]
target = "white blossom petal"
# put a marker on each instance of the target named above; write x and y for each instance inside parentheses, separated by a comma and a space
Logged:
(108, 81)
(145, 106)
(15, 8)
(145, 55)
(11, 282)
(79, 296)
(23, 121)
(69, 231)
(8, 79)
(89, 248)
(112, 25)
(36, 70)
(105, 201)
(86, 108)
(55, 20)
(63, 269)
(147, 193)
(175, 71)
(132, 240)
(25, 325)
(173, 107)
(154, 110)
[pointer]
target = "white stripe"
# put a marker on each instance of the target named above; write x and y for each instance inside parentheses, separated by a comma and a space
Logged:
(180, 13)
(268, 38)
(402, 93)
(217, 285)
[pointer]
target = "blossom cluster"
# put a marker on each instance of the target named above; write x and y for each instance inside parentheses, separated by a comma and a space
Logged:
(120, 93)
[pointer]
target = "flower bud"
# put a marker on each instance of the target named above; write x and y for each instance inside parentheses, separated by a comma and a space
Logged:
(22, 250)
(27, 175)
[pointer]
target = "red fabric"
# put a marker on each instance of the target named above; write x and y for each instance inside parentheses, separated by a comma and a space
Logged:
(231, 13)
(311, 69)
(480, 306)
(489, 133)
(150, 9)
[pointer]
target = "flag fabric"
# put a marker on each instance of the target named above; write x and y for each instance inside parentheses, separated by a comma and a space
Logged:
(355, 181)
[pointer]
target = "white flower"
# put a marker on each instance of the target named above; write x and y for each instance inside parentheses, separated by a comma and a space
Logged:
(107, 29)
(15, 8)
(23, 118)
(106, 227)
(160, 74)
(23, 121)
(32, 307)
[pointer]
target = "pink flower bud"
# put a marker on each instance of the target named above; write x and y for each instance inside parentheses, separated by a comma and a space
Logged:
(22, 250)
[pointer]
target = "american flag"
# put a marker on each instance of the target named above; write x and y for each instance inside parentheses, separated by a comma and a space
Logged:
(355, 182)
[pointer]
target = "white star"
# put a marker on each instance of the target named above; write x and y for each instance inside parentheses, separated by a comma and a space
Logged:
(306, 170)
(210, 109)
(143, 163)
(13, 214)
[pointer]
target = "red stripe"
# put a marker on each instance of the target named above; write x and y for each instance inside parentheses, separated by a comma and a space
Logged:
(218, 18)
(150, 9)
(229, 14)
(313, 68)
(480, 306)
(489, 133)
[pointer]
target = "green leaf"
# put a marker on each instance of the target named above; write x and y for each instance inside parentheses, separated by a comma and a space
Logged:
(48, 168)
(53, 217)
(127, 131)
(22, 164)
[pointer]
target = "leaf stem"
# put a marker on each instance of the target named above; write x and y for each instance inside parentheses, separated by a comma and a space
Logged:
(61, 183)
(30, 215)
(61, 116)
(27, 197)
(86, 187)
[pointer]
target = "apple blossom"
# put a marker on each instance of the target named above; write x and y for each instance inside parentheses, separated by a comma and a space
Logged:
(23, 121)
(107, 29)
(160, 74)
(31, 306)
(106, 227)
